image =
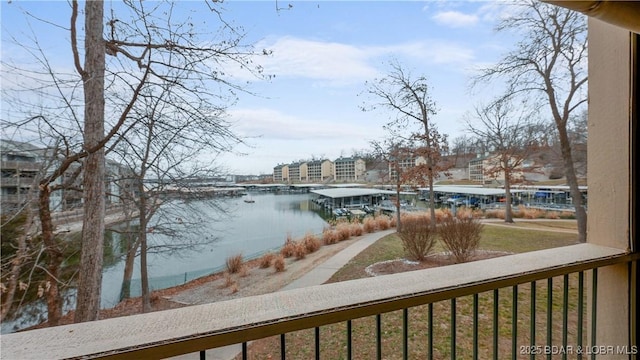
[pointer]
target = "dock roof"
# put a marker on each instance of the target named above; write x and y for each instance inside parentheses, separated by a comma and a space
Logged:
(348, 192)
(470, 190)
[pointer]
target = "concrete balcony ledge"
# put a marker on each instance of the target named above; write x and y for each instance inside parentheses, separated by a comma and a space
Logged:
(195, 328)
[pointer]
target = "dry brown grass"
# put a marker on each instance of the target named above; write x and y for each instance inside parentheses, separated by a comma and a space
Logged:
(289, 248)
(343, 230)
(266, 259)
(234, 263)
(369, 224)
(279, 263)
(300, 251)
(311, 243)
(330, 236)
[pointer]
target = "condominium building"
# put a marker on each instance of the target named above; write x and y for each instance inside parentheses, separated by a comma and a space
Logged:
(349, 169)
(487, 169)
(23, 165)
(281, 173)
(320, 170)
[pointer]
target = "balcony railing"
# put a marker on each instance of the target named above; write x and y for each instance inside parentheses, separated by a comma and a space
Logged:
(196, 329)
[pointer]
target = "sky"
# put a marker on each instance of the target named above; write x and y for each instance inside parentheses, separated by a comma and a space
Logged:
(323, 53)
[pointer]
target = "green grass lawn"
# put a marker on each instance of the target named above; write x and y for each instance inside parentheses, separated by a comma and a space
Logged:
(512, 239)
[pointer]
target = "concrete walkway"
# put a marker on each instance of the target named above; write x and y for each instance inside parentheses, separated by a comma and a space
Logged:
(317, 276)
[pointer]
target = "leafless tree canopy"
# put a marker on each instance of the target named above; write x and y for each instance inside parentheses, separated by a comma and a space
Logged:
(549, 64)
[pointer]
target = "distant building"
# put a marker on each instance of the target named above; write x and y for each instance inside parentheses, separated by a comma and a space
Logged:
(281, 173)
(405, 164)
(484, 169)
(319, 170)
(23, 165)
(20, 165)
(349, 169)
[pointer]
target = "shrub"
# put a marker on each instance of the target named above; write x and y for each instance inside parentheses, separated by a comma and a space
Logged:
(355, 229)
(234, 263)
(300, 251)
(343, 231)
(393, 222)
(417, 236)
(289, 248)
(494, 214)
(311, 243)
(330, 236)
(383, 222)
(279, 263)
(369, 224)
(461, 237)
(266, 259)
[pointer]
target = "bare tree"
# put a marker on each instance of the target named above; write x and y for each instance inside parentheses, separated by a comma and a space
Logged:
(145, 48)
(410, 100)
(165, 145)
(508, 133)
(549, 62)
(398, 154)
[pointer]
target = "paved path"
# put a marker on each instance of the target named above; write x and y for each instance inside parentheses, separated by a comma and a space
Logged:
(317, 276)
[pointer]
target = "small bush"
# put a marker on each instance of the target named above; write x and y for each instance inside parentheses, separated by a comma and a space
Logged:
(461, 237)
(393, 222)
(383, 222)
(311, 243)
(494, 214)
(234, 263)
(417, 236)
(279, 263)
(289, 248)
(355, 229)
(300, 251)
(369, 224)
(266, 259)
(343, 230)
(330, 236)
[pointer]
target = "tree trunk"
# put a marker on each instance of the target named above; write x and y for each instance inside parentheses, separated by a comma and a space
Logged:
(132, 248)
(90, 279)
(508, 211)
(572, 181)
(54, 257)
(144, 274)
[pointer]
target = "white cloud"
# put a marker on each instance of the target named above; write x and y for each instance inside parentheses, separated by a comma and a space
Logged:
(273, 124)
(295, 57)
(455, 19)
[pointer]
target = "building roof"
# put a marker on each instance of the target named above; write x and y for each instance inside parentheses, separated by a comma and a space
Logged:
(471, 190)
(348, 192)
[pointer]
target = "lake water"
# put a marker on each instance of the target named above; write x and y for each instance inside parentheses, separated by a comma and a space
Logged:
(253, 229)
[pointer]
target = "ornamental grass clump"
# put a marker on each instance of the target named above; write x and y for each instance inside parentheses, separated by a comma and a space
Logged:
(343, 230)
(355, 229)
(266, 260)
(461, 237)
(300, 251)
(234, 263)
(289, 248)
(417, 235)
(311, 243)
(279, 263)
(383, 223)
(369, 224)
(330, 236)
